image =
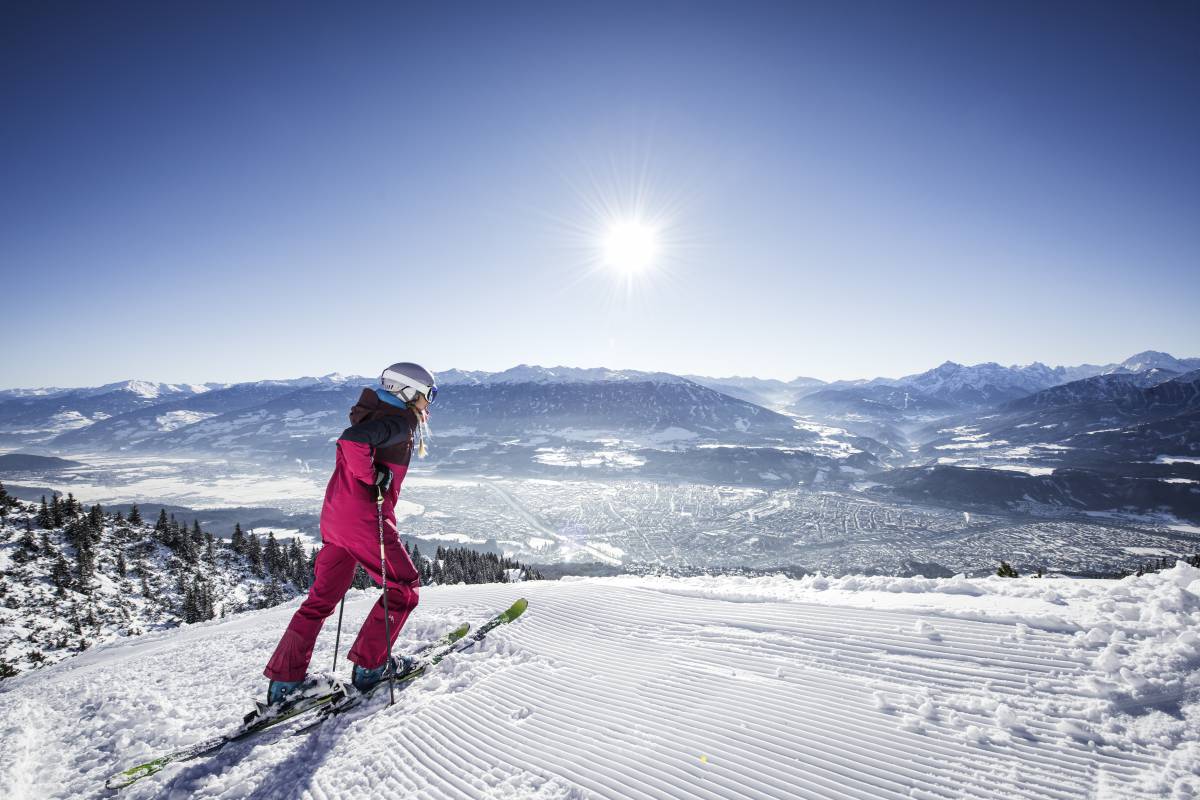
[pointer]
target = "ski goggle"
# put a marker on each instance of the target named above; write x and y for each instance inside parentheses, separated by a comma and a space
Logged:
(429, 392)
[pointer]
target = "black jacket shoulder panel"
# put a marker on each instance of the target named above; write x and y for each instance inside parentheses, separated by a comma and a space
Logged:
(379, 432)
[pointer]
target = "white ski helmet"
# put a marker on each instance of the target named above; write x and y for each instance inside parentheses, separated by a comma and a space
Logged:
(406, 380)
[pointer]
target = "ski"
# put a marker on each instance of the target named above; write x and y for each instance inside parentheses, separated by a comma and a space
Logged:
(355, 698)
(324, 690)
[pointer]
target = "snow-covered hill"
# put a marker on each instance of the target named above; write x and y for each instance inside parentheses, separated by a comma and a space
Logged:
(70, 579)
(871, 688)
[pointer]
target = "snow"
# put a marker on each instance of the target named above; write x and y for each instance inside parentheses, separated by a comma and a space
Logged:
(649, 687)
(1177, 460)
(571, 457)
(1027, 469)
(172, 420)
(971, 445)
(207, 483)
(285, 535)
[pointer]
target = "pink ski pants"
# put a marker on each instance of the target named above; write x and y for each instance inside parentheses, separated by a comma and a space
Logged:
(334, 572)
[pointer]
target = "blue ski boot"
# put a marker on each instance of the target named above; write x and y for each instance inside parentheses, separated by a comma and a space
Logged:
(367, 679)
(279, 691)
(289, 698)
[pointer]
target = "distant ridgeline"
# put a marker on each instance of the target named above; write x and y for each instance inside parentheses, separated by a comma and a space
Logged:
(71, 578)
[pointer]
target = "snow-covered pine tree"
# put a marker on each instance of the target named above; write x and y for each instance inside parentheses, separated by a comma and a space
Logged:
(254, 554)
(271, 555)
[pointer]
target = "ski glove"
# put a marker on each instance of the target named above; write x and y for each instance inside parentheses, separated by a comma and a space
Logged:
(383, 478)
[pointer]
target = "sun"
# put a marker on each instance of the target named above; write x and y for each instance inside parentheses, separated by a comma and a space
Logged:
(630, 247)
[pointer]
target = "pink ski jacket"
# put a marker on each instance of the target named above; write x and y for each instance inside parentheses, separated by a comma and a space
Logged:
(379, 433)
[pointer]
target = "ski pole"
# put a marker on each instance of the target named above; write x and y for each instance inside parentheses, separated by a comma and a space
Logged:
(387, 620)
(337, 642)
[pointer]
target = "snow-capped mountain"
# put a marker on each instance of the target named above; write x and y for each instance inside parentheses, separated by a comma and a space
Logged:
(633, 404)
(987, 385)
(134, 427)
(35, 417)
(983, 385)
(564, 422)
(146, 389)
(1120, 388)
(299, 421)
(1154, 360)
(1137, 429)
(525, 373)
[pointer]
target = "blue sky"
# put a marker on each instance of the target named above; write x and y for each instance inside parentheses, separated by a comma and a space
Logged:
(227, 191)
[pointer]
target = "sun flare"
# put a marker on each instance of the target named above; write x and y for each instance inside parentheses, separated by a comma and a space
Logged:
(630, 247)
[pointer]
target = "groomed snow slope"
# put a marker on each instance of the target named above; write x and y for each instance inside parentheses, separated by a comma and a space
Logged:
(671, 688)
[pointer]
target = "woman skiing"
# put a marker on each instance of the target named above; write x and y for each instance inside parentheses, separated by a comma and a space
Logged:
(372, 459)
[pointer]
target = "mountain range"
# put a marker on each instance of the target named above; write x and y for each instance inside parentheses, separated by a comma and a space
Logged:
(1134, 420)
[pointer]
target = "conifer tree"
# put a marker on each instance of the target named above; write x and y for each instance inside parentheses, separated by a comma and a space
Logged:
(121, 566)
(254, 555)
(238, 542)
(135, 515)
(1006, 571)
(189, 605)
(27, 548)
(44, 518)
(96, 518)
(85, 566)
(271, 556)
(60, 575)
(361, 579)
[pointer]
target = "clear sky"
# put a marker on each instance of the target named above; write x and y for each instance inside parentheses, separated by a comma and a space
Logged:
(231, 191)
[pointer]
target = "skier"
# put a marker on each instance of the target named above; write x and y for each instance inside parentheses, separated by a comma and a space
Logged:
(372, 459)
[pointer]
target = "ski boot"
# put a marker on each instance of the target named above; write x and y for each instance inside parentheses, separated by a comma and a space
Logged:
(367, 679)
(279, 691)
(288, 698)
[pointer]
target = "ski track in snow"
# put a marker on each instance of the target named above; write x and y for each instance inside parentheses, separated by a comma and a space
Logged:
(650, 688)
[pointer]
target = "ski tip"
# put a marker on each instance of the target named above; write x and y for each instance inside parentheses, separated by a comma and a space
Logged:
(516, 609)
(133, 774)
(460, 632)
